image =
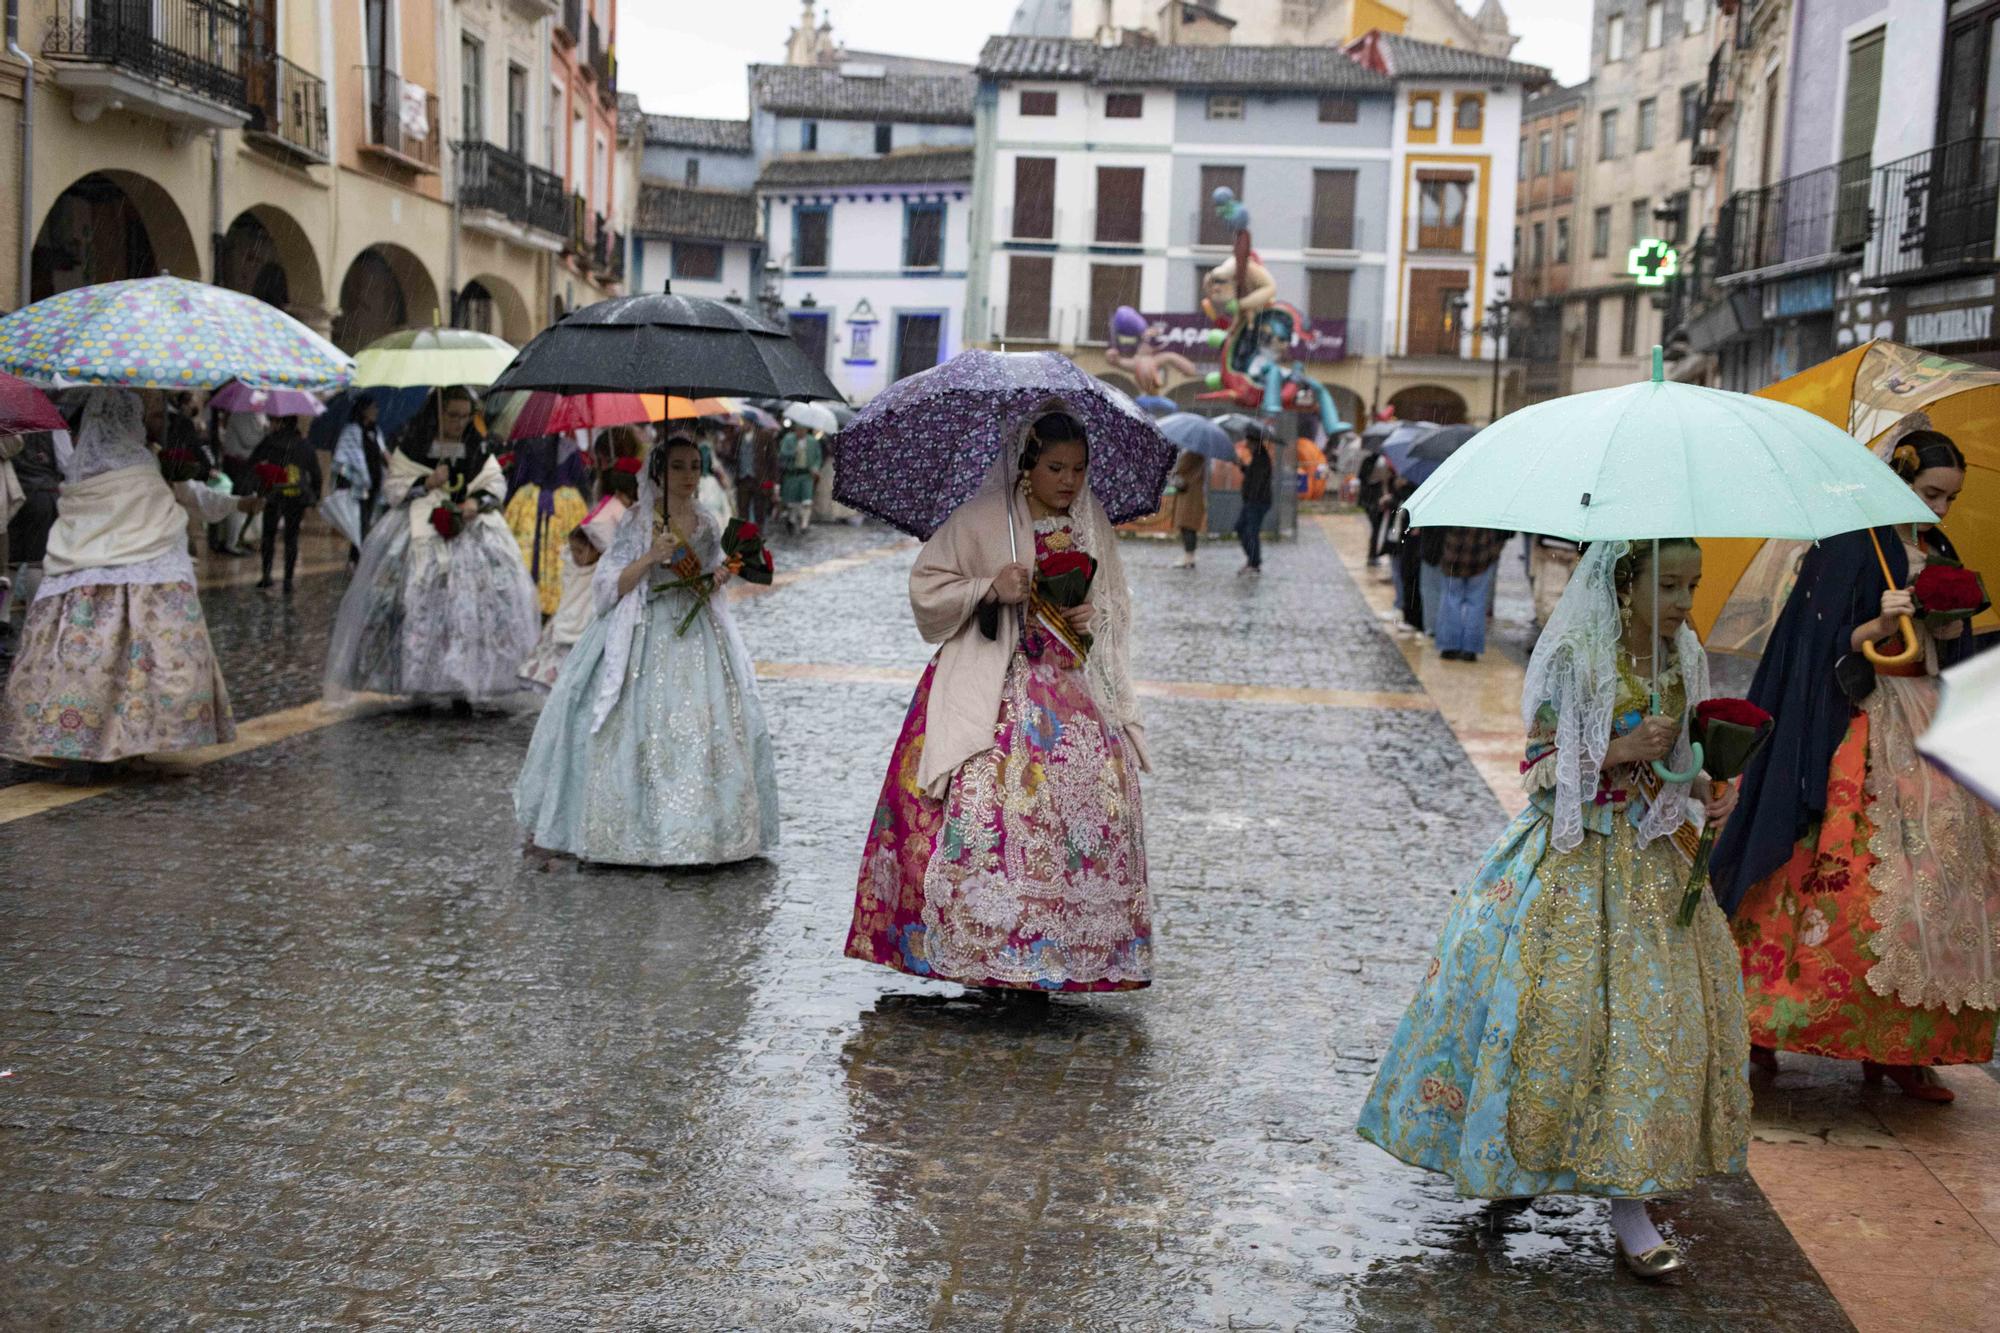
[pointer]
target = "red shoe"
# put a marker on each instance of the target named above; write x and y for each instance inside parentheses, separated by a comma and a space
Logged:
(1764, 1057)
(1915, 1081)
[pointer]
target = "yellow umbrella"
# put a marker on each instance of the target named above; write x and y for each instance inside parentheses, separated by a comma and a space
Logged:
(686, 409)
(1878, 392)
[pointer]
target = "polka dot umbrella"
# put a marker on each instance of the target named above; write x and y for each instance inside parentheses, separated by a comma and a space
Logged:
(166, 333)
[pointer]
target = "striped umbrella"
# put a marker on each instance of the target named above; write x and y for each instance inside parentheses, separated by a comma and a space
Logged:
(432, 358)
(166, 333)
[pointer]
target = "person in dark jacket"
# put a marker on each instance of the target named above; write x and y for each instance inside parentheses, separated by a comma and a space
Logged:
(1256, 501)
(286, 447)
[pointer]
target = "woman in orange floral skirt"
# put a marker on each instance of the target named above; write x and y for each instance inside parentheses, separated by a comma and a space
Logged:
(1865, 881)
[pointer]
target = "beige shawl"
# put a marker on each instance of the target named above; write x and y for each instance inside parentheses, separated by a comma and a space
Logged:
(124, 517)
(952, 575)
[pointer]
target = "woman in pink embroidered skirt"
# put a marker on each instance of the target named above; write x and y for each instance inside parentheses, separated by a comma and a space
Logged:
(1007, 848)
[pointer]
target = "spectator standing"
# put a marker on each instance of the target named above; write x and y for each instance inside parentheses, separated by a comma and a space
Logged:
(287, 448)
(1256, 502)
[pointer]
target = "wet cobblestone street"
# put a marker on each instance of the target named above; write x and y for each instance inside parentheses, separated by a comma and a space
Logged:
(296, 1039)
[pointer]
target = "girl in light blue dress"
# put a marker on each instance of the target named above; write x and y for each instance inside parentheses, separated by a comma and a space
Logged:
(1570, 1035)
(652, 748)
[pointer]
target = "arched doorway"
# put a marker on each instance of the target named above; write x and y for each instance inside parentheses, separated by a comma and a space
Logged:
(493, 305)
(267, 254)
(1429, 402)
(107, 226)
(386, 288)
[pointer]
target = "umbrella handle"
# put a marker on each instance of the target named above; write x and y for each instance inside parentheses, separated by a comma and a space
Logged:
(1665, 774)
(1911, 649)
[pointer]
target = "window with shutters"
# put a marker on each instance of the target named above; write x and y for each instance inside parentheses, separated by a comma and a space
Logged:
(472, 89)
(1642, 220)
(1333, 209)
(1562, 241)
(1537, 235)
(808, 330)
(1038, 103)
(1213, 230)
(1569, 147)
(810, 223)
(1423, 113)
(884, 137)
(1590, 319)
(923, 236)
(1858, 113)
(1028, 282)
(1469, 113)
(1656, 23)
(1648, 115)
(1111, 285)
(1121, 194)
(1124, 106)
(1607, 135)
(1690, 124)
(1225, 106)
(1034, 198)
(1339, 110)
(1521, 160)
(1600, 233)
(517, 111)
(697, 259)
(1628, 325)
(1614, 37)
(919, 340)
(1327, 292)
(1544, 152)
(809, 136)
(693, 172)
(1440, 210)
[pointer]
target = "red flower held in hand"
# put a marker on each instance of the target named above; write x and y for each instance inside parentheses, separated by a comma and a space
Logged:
(271, 474)
(1067, 562)
(1739, 711)
(1948, 588)
(747, 533)
(446, 521)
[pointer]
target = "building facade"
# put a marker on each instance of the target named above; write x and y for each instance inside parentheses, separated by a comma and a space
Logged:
(1546, 237)
(1267, 22)
(697, 223)
(863, 189)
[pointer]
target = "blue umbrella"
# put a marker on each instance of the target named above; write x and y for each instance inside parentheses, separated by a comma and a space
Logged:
(1402, 440)
(394, 409)
(1157, 405)
(1198, 435)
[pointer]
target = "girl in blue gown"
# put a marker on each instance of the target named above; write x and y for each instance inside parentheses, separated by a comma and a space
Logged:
(652, 748)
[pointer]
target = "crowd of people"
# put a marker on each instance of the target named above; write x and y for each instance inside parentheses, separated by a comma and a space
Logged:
(1583, 1027)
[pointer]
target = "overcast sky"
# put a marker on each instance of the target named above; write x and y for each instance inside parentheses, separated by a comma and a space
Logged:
(686, 57)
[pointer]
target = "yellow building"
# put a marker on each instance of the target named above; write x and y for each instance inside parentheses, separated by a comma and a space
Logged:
(303, 152)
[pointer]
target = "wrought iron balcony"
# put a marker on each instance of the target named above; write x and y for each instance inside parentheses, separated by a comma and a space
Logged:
(490, 177)
(402, 120)
(1807, 217)
(569, 26)
(287, 105)
(181, 59)
(1936, 212)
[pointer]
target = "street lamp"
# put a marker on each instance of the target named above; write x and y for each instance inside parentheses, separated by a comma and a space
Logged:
(1496, 325)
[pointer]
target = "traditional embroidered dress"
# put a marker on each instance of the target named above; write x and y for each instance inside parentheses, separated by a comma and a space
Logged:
(1025, 866)
(429, 615)
(1879, 937)
(578, 608)
(652, 748)
(115, 659)
(1569, 1036)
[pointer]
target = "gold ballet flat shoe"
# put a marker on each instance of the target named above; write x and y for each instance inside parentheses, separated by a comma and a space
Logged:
(1654, 1263)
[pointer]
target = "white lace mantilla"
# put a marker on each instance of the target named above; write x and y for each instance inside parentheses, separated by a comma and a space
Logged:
(174, 567)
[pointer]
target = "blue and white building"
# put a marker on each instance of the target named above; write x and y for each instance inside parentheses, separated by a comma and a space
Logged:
(697, 219)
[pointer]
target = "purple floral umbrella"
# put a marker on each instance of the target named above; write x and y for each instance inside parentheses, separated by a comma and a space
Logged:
(921, 447)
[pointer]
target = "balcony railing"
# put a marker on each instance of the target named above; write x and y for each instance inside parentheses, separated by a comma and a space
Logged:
(195, 45)
(491, 177)
(1806, 217)
(402, 119)
(1936, 212)
(1718, 94)
(579, 225)
(1120, 227)
(287, 105)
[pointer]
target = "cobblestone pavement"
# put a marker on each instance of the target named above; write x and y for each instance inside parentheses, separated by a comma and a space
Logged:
(297, 1040)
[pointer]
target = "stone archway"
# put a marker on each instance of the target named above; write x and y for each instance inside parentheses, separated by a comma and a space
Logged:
(268, 255)
(1429, 402)
(386, 288)
(494, 305)
(110, 225)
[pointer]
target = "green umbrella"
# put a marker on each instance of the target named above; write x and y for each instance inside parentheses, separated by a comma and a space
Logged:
(1658, 459)
(413, 358)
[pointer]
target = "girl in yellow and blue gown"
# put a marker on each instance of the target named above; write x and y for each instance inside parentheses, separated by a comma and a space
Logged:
(1570, 1037)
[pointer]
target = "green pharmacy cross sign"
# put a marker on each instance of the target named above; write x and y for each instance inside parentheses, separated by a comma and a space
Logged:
(1652, 262)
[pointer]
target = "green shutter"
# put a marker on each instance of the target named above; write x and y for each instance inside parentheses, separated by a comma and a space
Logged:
(1864, 95)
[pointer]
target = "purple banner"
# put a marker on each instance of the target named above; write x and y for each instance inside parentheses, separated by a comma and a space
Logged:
(1187, 333)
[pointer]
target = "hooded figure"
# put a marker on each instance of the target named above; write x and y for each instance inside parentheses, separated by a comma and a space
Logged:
(1007, 849)
(115, 659)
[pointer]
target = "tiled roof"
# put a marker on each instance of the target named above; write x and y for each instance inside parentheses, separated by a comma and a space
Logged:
(705, 215)
(918, 166)
(1408, 58)
(723, 136)
(1252, 68)
(831, 94)
(1554, 100)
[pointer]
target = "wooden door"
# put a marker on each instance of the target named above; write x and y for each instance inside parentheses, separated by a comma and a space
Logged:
(1034, 198)
(1430, 318)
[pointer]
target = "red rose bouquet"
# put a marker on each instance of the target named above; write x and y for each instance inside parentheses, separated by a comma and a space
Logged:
(447, 521)
(272, 477)
(1730, 732)
(179, 465)
(1062, 581)
(1945, 592)
(743, 554)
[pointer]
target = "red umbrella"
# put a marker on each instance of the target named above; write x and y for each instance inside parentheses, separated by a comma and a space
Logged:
(24, 408)
(554, 413)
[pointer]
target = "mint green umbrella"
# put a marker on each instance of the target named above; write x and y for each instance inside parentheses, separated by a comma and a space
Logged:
(1659, 459)
(431, 358)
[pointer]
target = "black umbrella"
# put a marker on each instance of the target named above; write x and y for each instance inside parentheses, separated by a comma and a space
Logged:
(663, 343)
(1442, 443)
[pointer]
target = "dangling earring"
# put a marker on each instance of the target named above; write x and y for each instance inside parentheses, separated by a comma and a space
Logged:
(1022, 485)
(1625, 613)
